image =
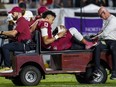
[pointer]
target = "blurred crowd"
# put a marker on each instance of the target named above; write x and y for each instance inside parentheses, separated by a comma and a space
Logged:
(62, 3)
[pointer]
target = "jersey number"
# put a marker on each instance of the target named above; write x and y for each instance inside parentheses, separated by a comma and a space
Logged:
(46, 24)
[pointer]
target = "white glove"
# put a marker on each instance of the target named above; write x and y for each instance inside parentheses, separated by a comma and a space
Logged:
(60, 29)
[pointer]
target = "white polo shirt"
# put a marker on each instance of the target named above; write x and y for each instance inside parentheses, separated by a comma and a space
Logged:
(109, 29)
(28, 15)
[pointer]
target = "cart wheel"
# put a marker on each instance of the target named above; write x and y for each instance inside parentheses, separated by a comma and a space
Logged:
(30, 76)
(97, 78)
(81, 78)
(89, 77)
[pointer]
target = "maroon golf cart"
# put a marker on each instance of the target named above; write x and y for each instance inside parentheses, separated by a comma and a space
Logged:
(29, 67)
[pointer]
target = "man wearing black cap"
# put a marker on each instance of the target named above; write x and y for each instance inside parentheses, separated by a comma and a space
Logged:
(28, 15)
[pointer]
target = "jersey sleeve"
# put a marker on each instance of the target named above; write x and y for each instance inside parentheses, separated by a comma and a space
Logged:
(43, 24)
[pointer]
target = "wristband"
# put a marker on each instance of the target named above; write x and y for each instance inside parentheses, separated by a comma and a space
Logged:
(56, 37)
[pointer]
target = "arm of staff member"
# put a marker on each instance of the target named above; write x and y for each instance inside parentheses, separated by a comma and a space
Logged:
(16, 14)
(11, 33)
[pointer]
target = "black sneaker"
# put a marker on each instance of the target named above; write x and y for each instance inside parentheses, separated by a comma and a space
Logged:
(113, 76)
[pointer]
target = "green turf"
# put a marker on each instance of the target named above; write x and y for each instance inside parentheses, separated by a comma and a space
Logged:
(59, 80)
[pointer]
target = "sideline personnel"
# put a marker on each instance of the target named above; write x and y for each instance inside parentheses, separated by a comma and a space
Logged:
(21, 34)
(108, 35)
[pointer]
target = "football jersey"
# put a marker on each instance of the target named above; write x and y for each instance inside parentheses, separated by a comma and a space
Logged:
(45, 24)
(59, 44)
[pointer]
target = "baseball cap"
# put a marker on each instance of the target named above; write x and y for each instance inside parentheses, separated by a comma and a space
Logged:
(42, 9)
(15, 9)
